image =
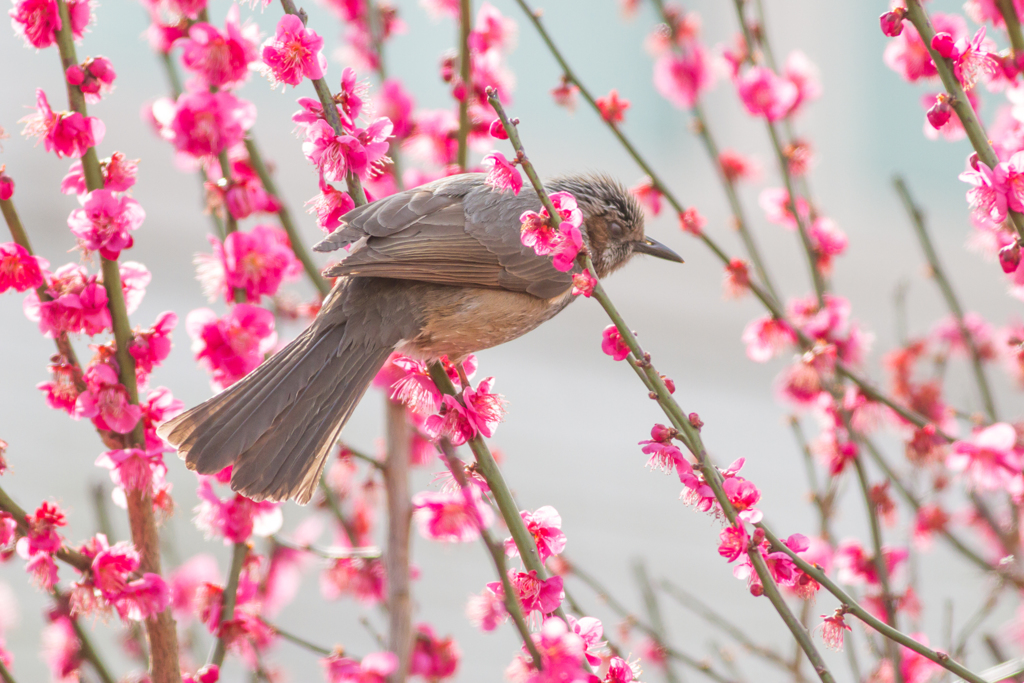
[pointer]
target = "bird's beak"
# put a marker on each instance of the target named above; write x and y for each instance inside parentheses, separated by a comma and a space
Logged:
(655, 248)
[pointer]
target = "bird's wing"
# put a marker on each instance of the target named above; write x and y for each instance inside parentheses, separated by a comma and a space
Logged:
(456, 231)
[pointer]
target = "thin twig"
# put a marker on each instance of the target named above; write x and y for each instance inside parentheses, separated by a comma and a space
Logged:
(398, 558)
(227, 605)
(465, 18)
(300, 641)
(654, 614)
(332, 552)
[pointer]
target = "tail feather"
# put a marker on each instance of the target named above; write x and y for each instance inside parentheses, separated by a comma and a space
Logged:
(288, 458)
(278, 423)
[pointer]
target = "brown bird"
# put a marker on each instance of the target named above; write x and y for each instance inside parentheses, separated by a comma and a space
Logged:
(433, 271)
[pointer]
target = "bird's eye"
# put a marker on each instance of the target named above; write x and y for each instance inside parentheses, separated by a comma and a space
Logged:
(615, 229)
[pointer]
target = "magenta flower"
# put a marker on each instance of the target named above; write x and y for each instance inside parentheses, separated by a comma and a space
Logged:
(537, 233)
(692, 222)
(743, 496)
(220, 60)
(664, 455)
(989, 195)
(104, 221)
(151, 347)
(583, 283)
(535, 594)
(433, 658)
(231, 347)
(42, 535)
(486, 611)
(19, 270)
(991, 459)
(613, 344)
(363, 579)
(94, 77)
(329, 206)
(832, 630)
(105, 401)
(766, 338)
(648, 194)
(294, 53)
(801, 72)
(765, 94)
(68, 134)
(975, 60)
(134, 469)
(562, 653)
(118, 175)
(907, 54)
(374, 668)
(204, 124)
(453, 422)
(545, 525)
(351, 99)
(256, 262)
(733, 542)
(332, 154)
(612, 108)
(37, 21)
(414, 387)
(484, 409)
(454, 517)
(42, 569)
(590, 631)
(681, 77)
(236, 519)
(79, 303)
(501, 175)
(61, 391)
(568, 248)
(6, 182)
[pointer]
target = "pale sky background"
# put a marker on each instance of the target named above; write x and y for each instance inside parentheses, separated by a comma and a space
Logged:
(575, 417)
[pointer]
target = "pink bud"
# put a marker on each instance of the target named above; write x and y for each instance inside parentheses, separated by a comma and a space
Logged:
(6, 185)
(756, 589)
(660, 432)
(940, 112)
(448, 68)
(497, 130)
(892, 22)
(944, 44)
(669, 384)
(973, 161)
(75, 74)
(758, 536)
(460, 91)
(1009, 257)
(695, 421)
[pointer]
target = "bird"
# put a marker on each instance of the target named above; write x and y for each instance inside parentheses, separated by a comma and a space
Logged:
(437, 270)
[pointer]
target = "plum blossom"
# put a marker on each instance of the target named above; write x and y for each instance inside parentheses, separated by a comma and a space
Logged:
(105, 401)
(104, 222)
(612, 108)
(255, 262)
(133, 469)
(37, 21)
(453, 422)
(832, 630)
(151, 347)
(294, 53)
(220, 60)
(562, 653)
(231, 347)
(680, 77)
(545, 525)
(665, 456)
(363, 579)
(763, 93)
(535, 594)
(329, 206)
(486, 611)
(743, 496)
(990, 460)
(501, 175)
(733, 542)
(373, 668)
(767, 337)
(235, 519)
(67, 134)
(613, 344)
(204, 124)
(484, 410)
(94, 77)
(333, 155)
(434, 658)
(907, 55)
(118, 175)
(451, 517)
(20, 270)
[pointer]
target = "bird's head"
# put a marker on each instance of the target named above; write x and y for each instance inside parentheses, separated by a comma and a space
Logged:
(613, 221)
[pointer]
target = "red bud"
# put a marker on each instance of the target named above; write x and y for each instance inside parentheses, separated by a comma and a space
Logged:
(497, 130)
(944, 44)
(892, 22)
(1009, 257)
(940, 112)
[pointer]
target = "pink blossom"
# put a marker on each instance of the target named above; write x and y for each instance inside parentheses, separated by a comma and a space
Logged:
(565, 252)
(613, 344)
(991, 459)
(692, 222)
(856, 567)
(743, 496)
(648, 194)
(68, 134)
(929, 520)
(583, 283)
(329, 206)
(501, 175)
(733, 542)
(220, 60)
(801, 72)
(133, 469)
(105, 401)
(235, 519)
(231, 347)
(94, 77)
(486, 611)
(42, 535)
(6, 181)
(562, 653)
(374, 668)
(37, 21)
(204, 124)
(828, 241)
(333, 155)
(778, 209)
(537, 233)
(454, 517)
(19, 270)
(151, 347)
(206, 674)
(736, 281)
(765, 94)
(397, 105)
(591, 631)
(42, 569)
(975, 60)
(545, 525)
(565, 94)
(8, 531)
(766, 338)
(414, 387)
(680, 77)
(453, 422)
(947, 331)
(665, 456)
(294, 52)
(736, 166)
(534, 593)
(185, 582)
(989, 195)
(434, 658)
(613, 109)
(256, 262)
(62, 390)
(485, 410)
(832, 630)
(907, 54)
(104, 221)
(118, 175)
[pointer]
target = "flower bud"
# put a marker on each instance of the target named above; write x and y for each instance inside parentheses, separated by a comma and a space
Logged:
(660, 432)
(944, 44)
(1009, 257)
(497, 130)
(756, 589)
(758, 536)
(448, 68)
(892, 22)
(973, 161)
(6, 184)
(940, 112)
(695, 421)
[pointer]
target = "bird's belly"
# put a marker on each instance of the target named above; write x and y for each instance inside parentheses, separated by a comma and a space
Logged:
(469, 320)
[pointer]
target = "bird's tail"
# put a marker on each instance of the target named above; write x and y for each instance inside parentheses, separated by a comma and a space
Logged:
(278, 424)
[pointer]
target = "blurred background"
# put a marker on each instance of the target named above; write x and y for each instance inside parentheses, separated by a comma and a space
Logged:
(575, 417)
